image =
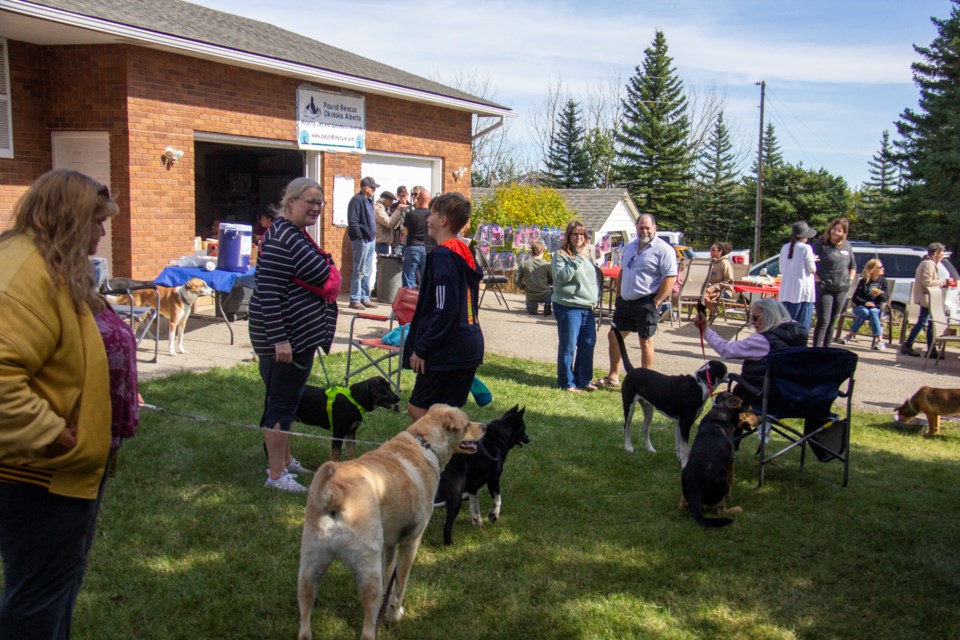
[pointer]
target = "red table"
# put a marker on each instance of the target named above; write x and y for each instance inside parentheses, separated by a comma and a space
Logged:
(751, 289)
(610, 275)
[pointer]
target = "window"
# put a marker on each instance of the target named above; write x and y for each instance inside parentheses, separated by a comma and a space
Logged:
(6, 109)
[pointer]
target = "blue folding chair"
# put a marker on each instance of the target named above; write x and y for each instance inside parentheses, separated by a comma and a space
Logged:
(803, 382)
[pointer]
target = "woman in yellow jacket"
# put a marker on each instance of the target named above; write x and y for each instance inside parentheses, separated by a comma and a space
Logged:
(55, 401)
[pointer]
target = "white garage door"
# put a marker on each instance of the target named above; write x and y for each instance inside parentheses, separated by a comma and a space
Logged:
(391, 171)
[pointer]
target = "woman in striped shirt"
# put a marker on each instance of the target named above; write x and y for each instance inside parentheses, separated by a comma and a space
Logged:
(293, 311)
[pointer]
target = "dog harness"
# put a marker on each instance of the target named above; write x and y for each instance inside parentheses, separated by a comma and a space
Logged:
(332, 394)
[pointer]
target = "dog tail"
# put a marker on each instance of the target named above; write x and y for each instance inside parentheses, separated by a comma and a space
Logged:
(695, 502)
(628, 367)
(330, 494)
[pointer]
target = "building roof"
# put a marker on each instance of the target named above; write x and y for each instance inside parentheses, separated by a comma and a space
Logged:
(170, 23)
(593, 206)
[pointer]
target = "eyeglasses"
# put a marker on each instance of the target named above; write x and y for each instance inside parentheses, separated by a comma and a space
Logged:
(314, 203)
(578, 234)
(755, 316)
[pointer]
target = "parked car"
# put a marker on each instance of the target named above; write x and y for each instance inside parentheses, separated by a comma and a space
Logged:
(900, 264)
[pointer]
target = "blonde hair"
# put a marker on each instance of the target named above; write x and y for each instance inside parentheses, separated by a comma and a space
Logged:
(870, 270)
(58, 210)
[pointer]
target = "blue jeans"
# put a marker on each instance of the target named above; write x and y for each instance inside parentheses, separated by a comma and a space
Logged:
(578, 337)
(45, 540)
(363, 251)
(414, 264)
(801, 312)
(923, 321)
(864, 314)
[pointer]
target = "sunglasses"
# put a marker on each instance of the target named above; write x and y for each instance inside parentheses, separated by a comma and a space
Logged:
(315, 203)
(104, 192)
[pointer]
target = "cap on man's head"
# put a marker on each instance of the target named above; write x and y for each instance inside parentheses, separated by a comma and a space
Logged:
(802, 230)
(369, 182)
(401, 190)
(386, 195)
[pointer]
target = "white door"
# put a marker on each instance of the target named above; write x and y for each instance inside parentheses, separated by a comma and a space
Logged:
(391, 171)
(87, 152)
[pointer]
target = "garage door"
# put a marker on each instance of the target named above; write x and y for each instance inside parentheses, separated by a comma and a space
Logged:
(391, 171)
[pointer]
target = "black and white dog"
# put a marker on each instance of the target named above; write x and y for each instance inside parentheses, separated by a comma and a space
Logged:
(708, 475)
(348, 410)
(680, 398)
(468, 474)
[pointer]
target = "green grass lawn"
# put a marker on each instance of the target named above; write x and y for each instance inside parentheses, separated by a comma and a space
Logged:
(590, 545)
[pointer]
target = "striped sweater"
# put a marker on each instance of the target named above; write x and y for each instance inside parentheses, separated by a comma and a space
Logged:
(282, 310)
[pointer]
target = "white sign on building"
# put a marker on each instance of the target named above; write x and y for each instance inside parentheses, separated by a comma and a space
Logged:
(328, 121)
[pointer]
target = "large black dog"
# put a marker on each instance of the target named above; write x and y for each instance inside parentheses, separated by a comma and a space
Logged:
(345, 416)
(708, 475)
(680, 398)
(468, 474)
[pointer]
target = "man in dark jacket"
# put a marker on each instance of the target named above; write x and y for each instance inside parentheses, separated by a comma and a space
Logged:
(362, 230)
(444, 346)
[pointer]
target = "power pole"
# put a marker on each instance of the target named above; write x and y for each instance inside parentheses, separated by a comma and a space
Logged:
(756, 238)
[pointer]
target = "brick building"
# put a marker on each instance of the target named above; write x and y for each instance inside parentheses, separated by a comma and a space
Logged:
(107, 86)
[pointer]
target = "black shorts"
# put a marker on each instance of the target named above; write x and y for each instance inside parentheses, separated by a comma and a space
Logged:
(442, 387)
(285, 383)
(640, 316)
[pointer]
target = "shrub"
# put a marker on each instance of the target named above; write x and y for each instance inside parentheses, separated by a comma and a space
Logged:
(517, 205)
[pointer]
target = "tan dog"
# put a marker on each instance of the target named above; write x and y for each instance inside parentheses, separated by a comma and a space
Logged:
(933, 403)
(176, 304)
(371, 512)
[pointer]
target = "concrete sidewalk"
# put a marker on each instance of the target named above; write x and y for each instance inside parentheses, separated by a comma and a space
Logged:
(883, 381)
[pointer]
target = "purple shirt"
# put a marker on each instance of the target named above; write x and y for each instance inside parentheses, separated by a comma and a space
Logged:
(751, 348)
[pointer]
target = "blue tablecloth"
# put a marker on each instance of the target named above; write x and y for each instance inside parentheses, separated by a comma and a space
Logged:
(217, 280)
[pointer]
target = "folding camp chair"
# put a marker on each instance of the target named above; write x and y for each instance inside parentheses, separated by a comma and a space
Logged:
(886, 316)
(942, 327)
(385, 358)
(144, 320)
(490, 279)
(693, 284)
(803, 382)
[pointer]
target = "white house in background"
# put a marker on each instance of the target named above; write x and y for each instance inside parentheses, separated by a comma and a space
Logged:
(602, 211)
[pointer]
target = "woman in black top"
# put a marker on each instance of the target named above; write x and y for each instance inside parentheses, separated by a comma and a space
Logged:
(836, 269)
(868, 298)
(293, 311)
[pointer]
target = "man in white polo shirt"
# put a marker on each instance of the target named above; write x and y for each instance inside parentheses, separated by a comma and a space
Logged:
(648, 273)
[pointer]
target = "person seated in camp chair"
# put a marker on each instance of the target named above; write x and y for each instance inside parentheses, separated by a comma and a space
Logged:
(775, 330)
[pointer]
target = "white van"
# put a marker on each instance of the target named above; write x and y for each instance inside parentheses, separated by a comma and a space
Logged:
(673, 237)
(899, 264)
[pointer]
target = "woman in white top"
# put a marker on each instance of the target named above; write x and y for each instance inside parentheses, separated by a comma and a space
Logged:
(797, 266)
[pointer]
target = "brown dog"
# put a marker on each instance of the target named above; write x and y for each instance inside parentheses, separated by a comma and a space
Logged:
(933, 403)
(176, 304)
(372, 512)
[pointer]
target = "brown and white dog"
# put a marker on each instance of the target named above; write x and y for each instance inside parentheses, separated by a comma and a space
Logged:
(371, 512)
(176, 304)
(933, 403)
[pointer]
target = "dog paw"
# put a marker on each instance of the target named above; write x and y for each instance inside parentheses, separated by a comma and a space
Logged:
(394, 613)
(182, 350)
(476, 520)
(494, 516)
(628, 448)
(733, 510)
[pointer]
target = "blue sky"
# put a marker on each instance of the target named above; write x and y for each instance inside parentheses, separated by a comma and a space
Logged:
(837, 73)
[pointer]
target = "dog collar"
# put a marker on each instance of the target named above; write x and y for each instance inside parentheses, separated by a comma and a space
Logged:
(426, 445)
(332, 394)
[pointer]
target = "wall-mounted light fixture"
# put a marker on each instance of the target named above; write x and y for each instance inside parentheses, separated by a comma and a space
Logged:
(170, 156)
(459, 173)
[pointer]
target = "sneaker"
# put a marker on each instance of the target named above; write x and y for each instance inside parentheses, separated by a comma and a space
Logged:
(879, 346)
(295, 467)
(286, 482)
(369, 305)
(357, 305)
(907, 350)
(847, 339)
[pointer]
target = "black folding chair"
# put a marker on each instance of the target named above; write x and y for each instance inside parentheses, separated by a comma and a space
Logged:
(803, 382)
(144, 320)
(490, 280)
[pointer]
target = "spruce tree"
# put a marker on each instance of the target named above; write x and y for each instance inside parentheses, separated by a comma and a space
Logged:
(928, 137)
(879, 192)
(714, 206)
(654, 161)
(568, 164)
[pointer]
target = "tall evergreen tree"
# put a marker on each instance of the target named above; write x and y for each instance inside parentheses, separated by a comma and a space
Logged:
(568, 164)
(714, 204)
(772, 156)
(599, 145)
(654, 160)
(928, 137)
(879, 193)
